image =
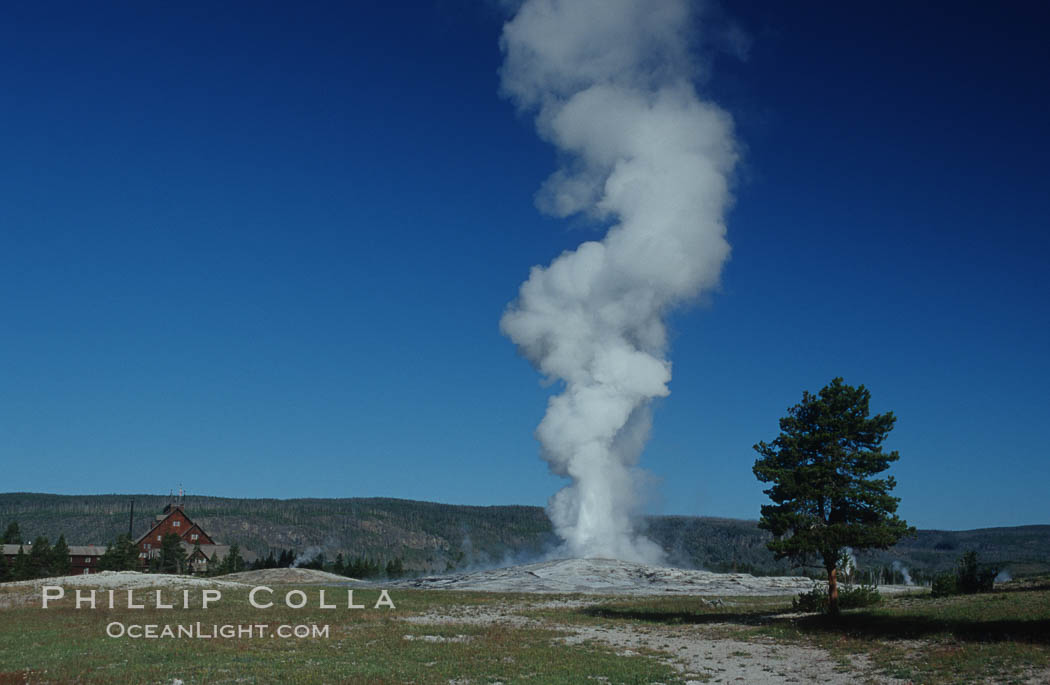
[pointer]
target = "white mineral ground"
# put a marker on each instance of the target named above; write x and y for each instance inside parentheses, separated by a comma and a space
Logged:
(125, 580)
(612, 577)
(564, 576)
(288, 576)
(28, 591)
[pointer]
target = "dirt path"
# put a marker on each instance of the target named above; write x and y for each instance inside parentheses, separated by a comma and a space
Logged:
(699, 653)
(720, 659)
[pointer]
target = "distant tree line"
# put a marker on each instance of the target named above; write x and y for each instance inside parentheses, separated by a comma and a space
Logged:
(41, 561)
(968, 578)
(424, 534)
(120, 555)
(358, 567)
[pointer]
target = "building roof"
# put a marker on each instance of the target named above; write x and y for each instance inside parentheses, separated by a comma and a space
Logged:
(218, 551)
(74, 550)
(168, 512)
(209, 550)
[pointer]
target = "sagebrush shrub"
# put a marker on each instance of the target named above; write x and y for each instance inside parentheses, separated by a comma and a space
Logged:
(850, 597)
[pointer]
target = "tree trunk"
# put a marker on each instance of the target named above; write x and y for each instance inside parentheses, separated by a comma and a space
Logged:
(833, 591)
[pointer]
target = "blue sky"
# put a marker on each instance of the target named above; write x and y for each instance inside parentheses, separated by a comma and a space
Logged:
(263, 251)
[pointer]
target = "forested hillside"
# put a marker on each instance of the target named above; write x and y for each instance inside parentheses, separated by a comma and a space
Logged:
(435, 537)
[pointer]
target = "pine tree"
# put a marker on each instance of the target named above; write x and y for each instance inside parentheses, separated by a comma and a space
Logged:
(359, 568)
(40, 558)
(215, 566)
(822, 467)
(128, 554)
(61, 565)
(120, 555)
(195, 555)
(394, 568)
(13, 536)
(172, 555)
(21, 569)
(339, 567)
(105, 562)
(233, 563)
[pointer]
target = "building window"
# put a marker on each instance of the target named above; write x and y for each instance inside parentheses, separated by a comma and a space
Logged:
(176, 523)
(158, 538)
(193, 537)
(87, 560)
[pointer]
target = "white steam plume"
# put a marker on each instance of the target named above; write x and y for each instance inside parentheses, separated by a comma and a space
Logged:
(610, 84)
(898, 566)
(308, 555)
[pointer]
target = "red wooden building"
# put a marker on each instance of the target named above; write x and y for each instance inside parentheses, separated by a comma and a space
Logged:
(172, 520)
(200, 548)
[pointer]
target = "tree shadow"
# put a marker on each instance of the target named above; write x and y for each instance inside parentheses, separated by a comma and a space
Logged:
(859, 624)
(1029, 586)
(676, 617)
(905, 626)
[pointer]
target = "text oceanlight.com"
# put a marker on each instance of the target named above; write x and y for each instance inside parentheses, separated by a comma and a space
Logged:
(259, 597)
(205, 631)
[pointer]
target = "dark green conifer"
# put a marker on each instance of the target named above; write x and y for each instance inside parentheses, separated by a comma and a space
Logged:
(20, 569)
(172, 555)
(13, 536)
(40, 558)
(825, 494)
(61, 565)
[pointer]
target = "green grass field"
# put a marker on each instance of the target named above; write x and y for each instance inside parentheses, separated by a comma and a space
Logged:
(1002, 637)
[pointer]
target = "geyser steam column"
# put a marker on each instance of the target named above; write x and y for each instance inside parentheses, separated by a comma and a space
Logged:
(610, 84)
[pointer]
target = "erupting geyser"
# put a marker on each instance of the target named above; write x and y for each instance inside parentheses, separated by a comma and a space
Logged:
(610, 82)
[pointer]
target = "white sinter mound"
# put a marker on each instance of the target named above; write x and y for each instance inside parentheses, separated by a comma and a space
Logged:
(126, 580)
(296, 576)
(612, 577)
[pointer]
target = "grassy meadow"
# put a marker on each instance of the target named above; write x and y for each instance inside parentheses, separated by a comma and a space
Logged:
(487, 638)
